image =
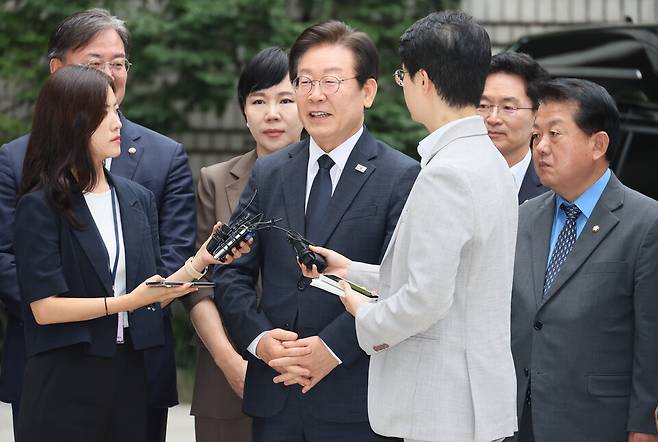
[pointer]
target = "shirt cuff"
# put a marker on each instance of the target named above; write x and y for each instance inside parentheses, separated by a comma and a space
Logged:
(254, 344)
(332, 353)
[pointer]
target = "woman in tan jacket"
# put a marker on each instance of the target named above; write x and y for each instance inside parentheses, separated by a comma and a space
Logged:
(267, 100)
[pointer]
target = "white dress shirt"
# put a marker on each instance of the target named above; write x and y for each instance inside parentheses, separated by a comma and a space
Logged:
(519, 170)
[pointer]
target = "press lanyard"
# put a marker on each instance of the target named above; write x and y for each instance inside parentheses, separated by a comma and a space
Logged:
(120, 324)
(116, 237)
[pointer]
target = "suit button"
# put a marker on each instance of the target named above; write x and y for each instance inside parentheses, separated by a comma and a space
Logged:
(301, 285)
(286, 326)
(538, 325)
(526, 372)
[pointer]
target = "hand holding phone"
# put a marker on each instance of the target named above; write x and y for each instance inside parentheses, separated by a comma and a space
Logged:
(178, 283)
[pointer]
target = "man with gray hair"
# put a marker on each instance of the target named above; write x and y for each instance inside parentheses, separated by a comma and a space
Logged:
(97, 39)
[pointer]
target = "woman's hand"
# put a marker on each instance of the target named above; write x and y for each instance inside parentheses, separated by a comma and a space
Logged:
(203, 259)
(337, 264)
(145, 295)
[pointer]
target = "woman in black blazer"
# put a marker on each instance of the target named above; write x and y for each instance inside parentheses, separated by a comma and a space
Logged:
(85, 243)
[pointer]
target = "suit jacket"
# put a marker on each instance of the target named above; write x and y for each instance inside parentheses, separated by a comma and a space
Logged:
(441, 367)
(220, 186)
(159, 164)
(362, 214)
(53, 258)
(590, 349)
(531, 186)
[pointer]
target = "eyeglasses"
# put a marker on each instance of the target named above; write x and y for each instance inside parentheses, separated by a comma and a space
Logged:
(505, 109)
(328, 85)
(118, 66)
(398, 76)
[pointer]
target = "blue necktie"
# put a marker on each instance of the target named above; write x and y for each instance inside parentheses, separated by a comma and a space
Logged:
(565, 242)
(318, 199)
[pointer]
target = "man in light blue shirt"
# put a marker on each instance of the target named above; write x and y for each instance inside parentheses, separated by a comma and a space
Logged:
(584, 296)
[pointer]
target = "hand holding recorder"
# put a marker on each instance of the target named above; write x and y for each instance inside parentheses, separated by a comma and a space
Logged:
(184, 280)
(339, 265)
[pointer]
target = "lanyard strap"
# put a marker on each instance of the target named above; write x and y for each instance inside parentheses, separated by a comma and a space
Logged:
(116, 237)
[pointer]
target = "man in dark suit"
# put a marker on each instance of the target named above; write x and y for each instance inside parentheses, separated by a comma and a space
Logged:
(341, 188)
(584, 306)
(509, 112)
(98, 39)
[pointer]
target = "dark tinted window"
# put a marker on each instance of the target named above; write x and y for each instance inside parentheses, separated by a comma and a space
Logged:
(639, 167)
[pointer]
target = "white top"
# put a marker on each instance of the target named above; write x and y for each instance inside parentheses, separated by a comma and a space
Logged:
(519, 169)
(100, 206)
(340, 155)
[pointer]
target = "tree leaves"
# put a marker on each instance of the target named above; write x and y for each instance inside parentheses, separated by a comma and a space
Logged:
(187, 54)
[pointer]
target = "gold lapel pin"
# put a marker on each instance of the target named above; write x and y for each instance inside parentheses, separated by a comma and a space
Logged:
(596, 229)
(132, 150)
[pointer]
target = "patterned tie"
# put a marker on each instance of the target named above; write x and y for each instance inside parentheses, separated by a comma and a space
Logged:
(318, 199)
(564, 244)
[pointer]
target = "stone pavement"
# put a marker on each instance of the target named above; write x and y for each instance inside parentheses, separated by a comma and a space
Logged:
(180, 425)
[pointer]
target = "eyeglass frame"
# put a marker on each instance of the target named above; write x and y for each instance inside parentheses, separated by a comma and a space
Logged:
(126, 67)
(295, 84)
(398, 76)
(487, 109)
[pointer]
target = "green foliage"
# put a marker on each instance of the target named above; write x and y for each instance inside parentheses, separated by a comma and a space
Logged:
(187, 54)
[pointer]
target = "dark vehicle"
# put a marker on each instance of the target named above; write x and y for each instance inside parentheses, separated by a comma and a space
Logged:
(623, 59)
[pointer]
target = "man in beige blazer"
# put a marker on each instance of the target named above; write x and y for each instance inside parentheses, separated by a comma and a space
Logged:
(441, 367)
(267, 100)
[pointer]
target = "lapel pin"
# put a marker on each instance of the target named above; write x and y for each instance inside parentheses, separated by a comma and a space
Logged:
(596, 229)
(360, 168)
(132, 150)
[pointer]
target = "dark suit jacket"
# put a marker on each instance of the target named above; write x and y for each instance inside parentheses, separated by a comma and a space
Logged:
(53, 258)
(220, 186)
(531, 186)
(362, 215)
(159, 164)
(590, 350)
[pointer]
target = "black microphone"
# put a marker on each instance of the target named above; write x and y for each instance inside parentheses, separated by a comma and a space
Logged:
(306, 256)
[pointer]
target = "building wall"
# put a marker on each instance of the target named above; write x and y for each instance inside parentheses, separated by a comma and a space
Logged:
(507, 20)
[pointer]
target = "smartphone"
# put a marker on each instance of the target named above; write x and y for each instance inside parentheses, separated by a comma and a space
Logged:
(357, 288)
(177, 283)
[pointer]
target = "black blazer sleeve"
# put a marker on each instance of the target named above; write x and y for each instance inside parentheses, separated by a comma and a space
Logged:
(235, 292)
(39, 264)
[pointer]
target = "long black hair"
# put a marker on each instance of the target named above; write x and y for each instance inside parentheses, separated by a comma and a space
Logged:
(70, 107)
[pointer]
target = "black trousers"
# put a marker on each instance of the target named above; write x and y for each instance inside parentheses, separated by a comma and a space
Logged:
(295, 424)
(525, 426)
(69, 396)
(156, 424)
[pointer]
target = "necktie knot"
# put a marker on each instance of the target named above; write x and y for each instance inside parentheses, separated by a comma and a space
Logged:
(325, 162)
(571, 210)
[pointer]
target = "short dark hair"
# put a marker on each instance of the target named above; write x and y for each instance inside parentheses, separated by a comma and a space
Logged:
(70, 107)
(337, 32)
(455, 52)
(597, 110)
(522, 65)
(268, 68)
(77, 30)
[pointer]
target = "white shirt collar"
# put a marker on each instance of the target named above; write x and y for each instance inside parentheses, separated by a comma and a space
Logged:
(427, 144)
(519, 169)
(340, 154)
